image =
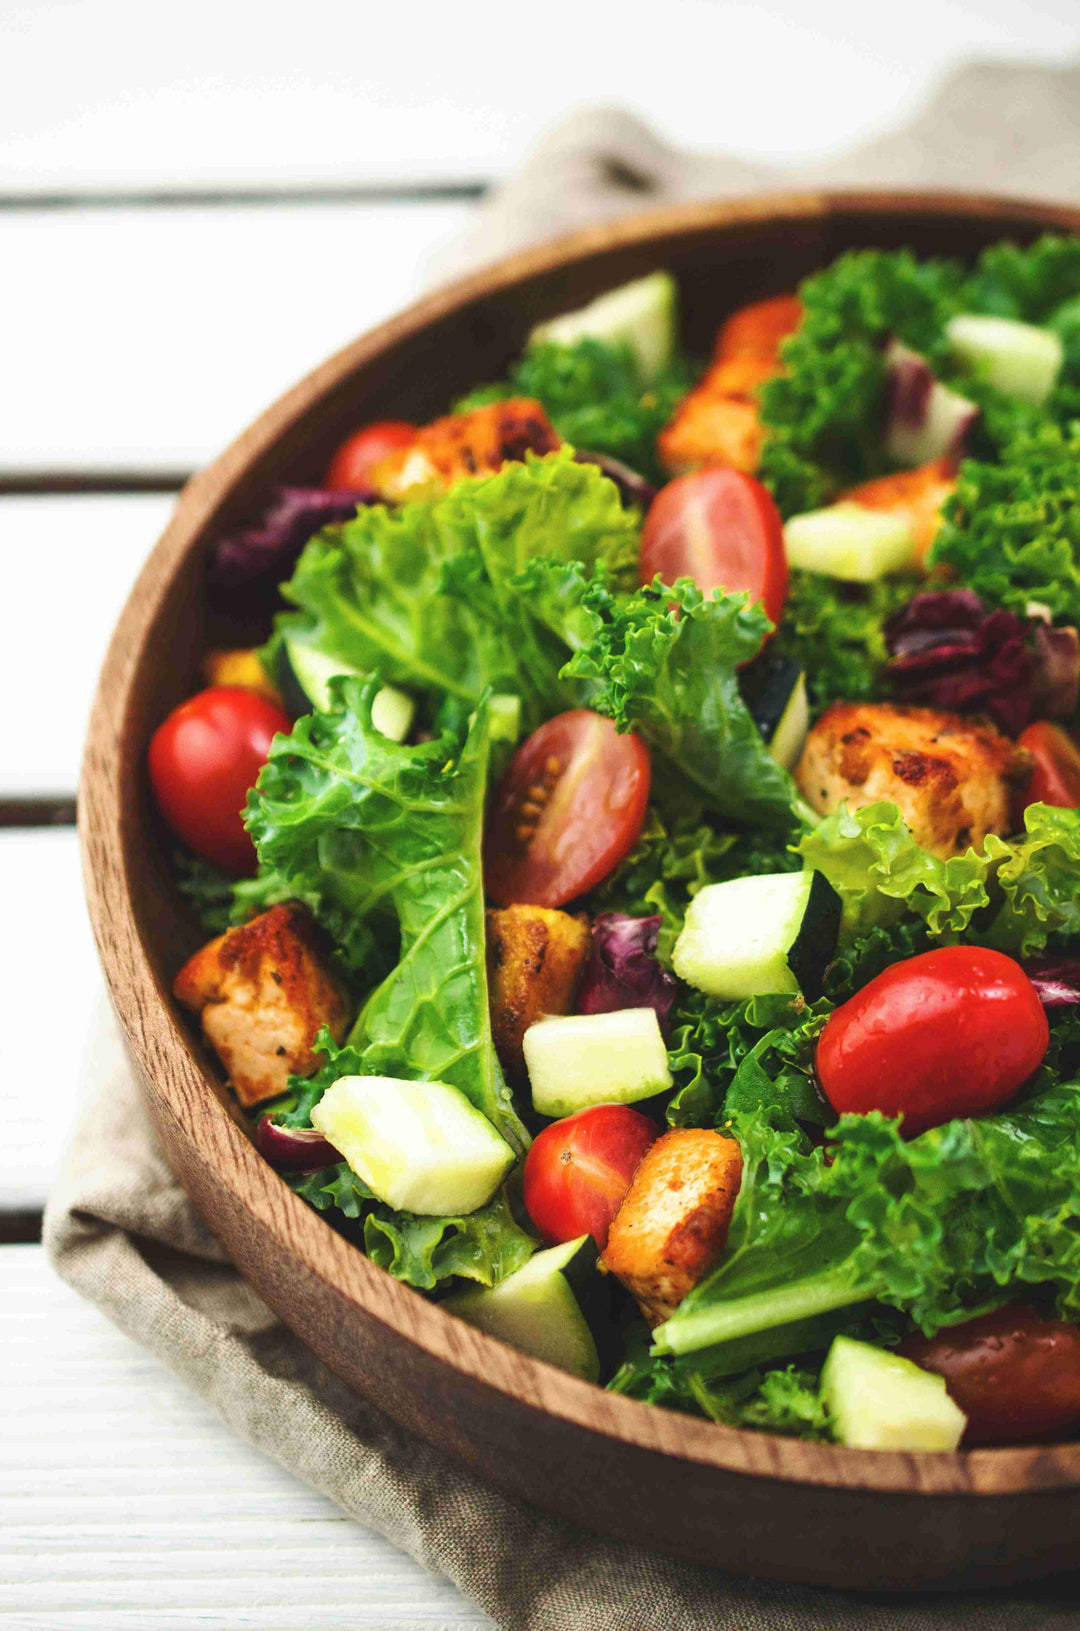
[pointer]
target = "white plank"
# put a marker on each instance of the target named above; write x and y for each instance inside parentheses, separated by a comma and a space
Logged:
(50, 988)
(125, 1502)
(151, 337)
(204, 95)
(69, 563)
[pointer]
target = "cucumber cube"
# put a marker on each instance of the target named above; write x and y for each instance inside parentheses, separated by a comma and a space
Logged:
(577, 1060)
(536, 1309)
(879, 1401)
(641, 315)
(847, 542)
(419, 1146)
(392, 711)
(1020, 359)
(752, 937)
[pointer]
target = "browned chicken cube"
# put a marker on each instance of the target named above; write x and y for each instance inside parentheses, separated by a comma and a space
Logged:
(263, 992)
(673, 1223)
(717, 423)
(950, 777)
(466, 444)
(919, 495)
(535, 958)
(243, 668)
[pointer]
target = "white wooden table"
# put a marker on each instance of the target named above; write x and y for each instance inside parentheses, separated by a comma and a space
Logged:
(196, 205)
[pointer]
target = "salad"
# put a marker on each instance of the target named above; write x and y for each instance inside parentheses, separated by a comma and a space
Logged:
(644, 859)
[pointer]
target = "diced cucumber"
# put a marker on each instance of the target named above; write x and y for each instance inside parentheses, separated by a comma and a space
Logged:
(847, 542)
(781, 712)
(924, 419)
(419, 1146)
(538, 1309)
(1018, 358)
(750, 937)
(879, 1401)
(392, 712)
(642, 315)
(577, 1060)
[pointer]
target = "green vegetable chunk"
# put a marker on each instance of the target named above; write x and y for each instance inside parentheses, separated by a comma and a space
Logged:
(540, 1310)
(848, 542)
(1018, 358)
(577, 1060)
(419, 1146)
(642, 315)
(310, 672)
(751, 937)
(879, 1401)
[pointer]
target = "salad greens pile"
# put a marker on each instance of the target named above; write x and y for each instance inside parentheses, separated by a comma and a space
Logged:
(524, 584)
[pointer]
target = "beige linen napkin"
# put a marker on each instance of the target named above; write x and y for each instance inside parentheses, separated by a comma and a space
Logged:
(121, 1231)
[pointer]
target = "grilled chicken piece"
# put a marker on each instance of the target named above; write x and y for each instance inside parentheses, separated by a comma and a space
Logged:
(717, 422)
(466, 444)
(917, 494)
(535, 958)
(949, 776)
(243, 668)
(263, 992)
(673, 1223)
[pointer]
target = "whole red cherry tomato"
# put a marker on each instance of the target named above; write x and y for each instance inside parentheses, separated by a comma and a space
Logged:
(721, 528)
(569, 807)
(952, 1032)
(203, 760)
(578, 1170)
(351, 467)
(1055, 776)
(1015, 1375)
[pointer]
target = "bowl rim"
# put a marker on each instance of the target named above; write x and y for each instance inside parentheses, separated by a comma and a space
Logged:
(109, 828)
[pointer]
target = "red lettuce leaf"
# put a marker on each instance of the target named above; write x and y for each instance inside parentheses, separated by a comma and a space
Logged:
(1056, 979)
(622, 970)
(296, 514)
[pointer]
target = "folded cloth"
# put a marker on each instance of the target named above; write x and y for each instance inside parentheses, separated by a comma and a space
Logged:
(121, 1231)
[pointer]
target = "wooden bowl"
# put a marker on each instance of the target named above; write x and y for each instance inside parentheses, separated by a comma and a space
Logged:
(746, 1501)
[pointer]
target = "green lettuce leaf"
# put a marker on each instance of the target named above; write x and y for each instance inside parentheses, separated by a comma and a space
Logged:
(370, 828)
(1038, 876)
(1012, 530)
(665, 663)
(732, 1058)
(423, 1251)
(594, 398)
(425, 593)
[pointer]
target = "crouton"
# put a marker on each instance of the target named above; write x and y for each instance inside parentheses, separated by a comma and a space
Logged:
(949, 776)
(465, 444)
(718, 421)
(535, 958)
(673, 1223)
(918, 495)
(242, 668)
(263, 992)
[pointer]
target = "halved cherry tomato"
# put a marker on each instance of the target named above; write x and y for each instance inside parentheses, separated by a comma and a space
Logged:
(578, 1170)
(1055, 778)
(569, 807)
(1014, 1374)
(952, 1032)
(203, 760)
(721, 528)
(352, 464)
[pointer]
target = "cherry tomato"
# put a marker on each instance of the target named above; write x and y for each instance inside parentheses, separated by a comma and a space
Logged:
(952, 1032)
(1015, 1375)
(569, 807)
(352, 464)
(203, 759)
(578, 1170)
(1055, 778)
(721, 528)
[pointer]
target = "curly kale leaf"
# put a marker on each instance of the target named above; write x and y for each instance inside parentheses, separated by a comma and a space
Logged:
(835, 631)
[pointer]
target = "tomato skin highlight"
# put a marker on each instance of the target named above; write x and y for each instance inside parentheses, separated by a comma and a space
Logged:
(721, 528)
(351, 467)
(203, 759)
(568, 809)
(1055, 776)
(952, 1032)
(1015, 1375)
(579, 1169)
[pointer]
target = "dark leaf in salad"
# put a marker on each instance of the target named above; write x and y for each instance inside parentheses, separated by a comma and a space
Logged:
(622, 970)
(271, 548)
(1056, 979)
(634, 490)
(293, 1149)
(1056, 684)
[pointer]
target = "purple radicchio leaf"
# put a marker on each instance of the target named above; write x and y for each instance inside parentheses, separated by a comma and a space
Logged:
(947, 650)
(634, 490)
(1056, 980)
(622, 970)
(271, 548)
(294, 1149)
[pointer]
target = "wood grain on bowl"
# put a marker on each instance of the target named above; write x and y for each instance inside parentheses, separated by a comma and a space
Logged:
(745, 1501)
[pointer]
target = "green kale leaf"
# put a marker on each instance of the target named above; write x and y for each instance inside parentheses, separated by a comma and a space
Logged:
(835, 631)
